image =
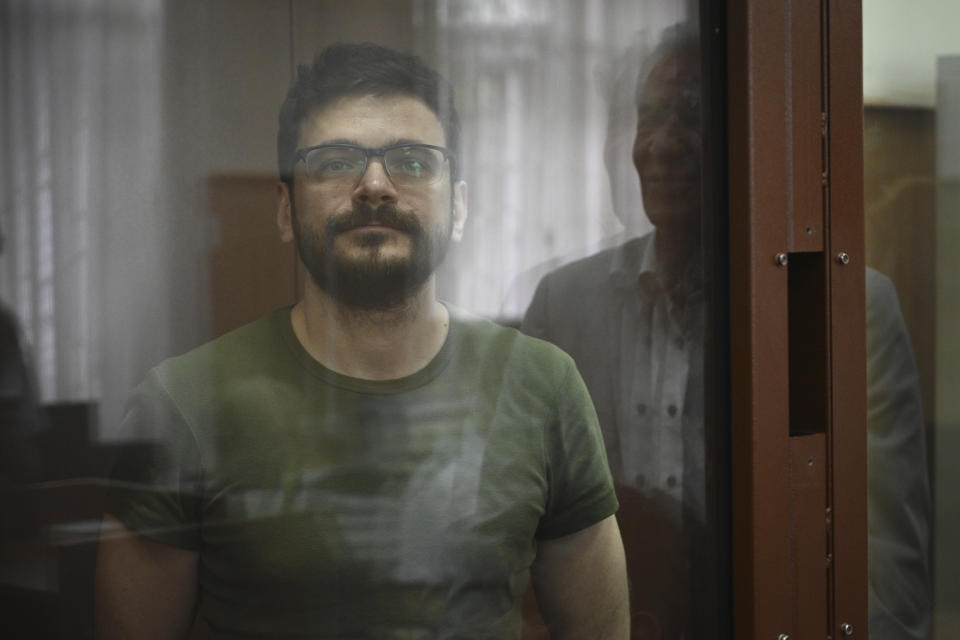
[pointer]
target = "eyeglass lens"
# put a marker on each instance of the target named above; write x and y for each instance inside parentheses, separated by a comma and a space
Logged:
(404, 165)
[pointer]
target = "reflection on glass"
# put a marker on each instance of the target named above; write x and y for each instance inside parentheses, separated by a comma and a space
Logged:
(274, 481)
(899, 496)
(947, 416)
(911, 119)
(20, 418)
(369, 462)
(633, 319)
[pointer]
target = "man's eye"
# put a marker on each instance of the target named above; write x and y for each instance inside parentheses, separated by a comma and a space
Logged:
(414, 163)
(649, 117)
(335, 165)
(411, 165)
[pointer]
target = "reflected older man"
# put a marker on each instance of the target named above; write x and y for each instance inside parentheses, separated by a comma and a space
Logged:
(633, 319)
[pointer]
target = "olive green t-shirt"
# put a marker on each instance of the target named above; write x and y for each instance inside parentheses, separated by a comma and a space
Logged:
(324, 506)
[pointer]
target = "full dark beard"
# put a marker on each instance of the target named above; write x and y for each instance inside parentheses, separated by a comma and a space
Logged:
(373, 283)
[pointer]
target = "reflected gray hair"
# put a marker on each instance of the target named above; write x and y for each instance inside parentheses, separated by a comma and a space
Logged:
(683, 37)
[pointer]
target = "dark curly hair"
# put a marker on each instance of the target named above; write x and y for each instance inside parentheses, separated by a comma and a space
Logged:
(362, 69)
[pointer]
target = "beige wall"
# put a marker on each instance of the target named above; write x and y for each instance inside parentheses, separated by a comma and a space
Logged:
(901, 42)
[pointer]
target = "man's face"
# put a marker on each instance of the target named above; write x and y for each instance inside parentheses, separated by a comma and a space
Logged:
(666, 151)
(371, 244)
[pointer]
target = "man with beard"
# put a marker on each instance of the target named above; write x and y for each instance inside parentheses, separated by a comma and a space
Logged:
(369, 463)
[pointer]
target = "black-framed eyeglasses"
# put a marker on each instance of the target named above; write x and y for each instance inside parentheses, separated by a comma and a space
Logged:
(406, 164)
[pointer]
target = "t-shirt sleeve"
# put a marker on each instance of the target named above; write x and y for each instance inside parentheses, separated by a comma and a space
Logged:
(581, 487)
(156, 482)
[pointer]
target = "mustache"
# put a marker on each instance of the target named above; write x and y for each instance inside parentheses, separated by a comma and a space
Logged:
(362, 215)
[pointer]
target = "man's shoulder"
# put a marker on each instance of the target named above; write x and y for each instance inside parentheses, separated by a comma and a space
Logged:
(585, 271)
(883, 311)
(247, 348)
(485, 340)
(880, 289)
(578, 295)
(592, 271)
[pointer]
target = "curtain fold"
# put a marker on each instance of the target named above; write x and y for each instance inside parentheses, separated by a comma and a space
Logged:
(535, 81)
(81, 177)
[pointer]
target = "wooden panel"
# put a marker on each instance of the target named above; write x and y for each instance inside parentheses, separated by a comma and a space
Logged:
(251, 271)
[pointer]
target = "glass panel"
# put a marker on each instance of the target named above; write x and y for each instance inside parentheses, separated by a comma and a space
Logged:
(369, 455)
(911, 166)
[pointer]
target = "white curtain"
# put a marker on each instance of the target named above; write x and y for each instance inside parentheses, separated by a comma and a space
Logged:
(103, 181)
(82, 178)
(535, 80)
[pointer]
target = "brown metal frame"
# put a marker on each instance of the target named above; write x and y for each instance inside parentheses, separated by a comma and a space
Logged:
(848, 315)
(798, 381)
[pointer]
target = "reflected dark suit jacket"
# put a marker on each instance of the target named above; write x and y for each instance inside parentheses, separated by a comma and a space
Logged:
(578, 308)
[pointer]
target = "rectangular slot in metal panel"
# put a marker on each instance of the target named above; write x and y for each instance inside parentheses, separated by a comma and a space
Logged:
(807, 327)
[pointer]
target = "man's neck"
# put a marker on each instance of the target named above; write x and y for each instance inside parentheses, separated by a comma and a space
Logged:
(371, 344)
(679, 256)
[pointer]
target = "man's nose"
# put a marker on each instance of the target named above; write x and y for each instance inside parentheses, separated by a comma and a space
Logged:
(375, 186)
(667, 138)
(674, 135)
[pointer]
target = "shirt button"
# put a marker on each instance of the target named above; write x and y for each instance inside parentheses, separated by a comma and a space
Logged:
(641, 408)
(672, 410)
(672, 481)
(679, 342)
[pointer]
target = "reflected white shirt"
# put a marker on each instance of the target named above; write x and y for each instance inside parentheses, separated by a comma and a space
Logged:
(660, 416)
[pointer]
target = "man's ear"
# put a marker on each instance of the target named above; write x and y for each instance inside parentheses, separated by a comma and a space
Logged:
(459, 210)
(284, 212)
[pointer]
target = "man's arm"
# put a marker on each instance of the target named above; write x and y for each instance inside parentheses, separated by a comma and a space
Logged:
(144, 589)
(581, 583)
(899, 495)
